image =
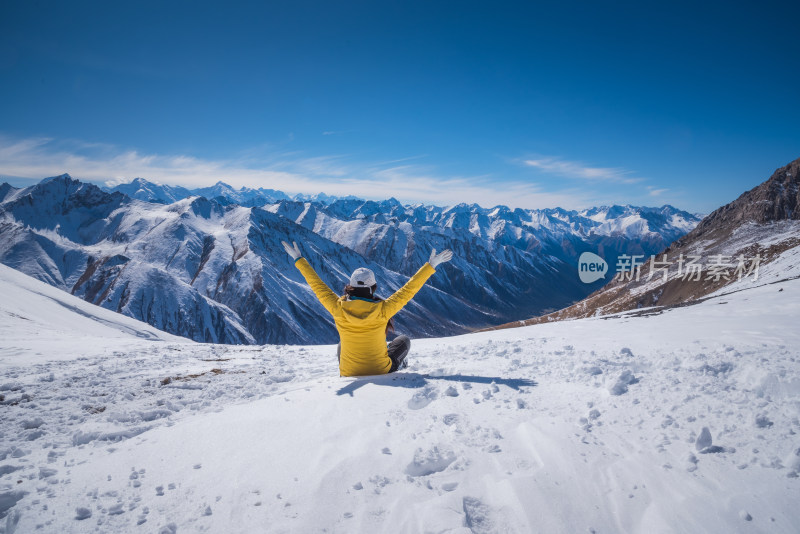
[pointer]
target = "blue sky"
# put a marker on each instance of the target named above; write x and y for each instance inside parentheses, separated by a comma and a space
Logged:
(526, 104)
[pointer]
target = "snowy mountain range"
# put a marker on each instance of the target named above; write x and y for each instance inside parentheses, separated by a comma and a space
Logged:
(141, 189)
(213, 269)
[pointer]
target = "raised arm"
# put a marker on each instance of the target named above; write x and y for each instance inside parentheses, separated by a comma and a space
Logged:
(395, 303)
(325, 295)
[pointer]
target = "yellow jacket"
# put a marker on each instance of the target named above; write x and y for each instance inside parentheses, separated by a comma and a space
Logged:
(362, 323)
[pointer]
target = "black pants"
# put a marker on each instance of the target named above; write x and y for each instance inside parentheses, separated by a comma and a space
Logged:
(398, 349)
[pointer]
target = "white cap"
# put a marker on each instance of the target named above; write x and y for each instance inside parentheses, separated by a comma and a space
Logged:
(362, 277)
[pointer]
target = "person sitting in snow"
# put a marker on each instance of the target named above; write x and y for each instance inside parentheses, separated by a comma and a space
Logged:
(363, 319)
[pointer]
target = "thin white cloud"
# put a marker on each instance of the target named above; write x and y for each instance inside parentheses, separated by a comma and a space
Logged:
(655, 191)
(416, 182)
(11, 149)
(401, 160)
(574, 169)
(288, 171)
(319, 166)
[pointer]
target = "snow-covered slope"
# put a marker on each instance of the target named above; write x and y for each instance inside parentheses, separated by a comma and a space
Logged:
(683, 420)
(36, 317)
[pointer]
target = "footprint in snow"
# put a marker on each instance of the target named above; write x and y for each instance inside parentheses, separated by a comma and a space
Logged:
(625, 379)
(116, 509)
(423, 397)
(477, 515)
(428, 462)
(691, 463)
(450, 419)
(593, 370)
(792, 462)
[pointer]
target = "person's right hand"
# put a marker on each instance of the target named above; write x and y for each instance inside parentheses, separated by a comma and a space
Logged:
(293, 251)
(443, 256)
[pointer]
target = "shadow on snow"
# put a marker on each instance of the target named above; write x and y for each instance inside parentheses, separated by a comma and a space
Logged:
(417, 380)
